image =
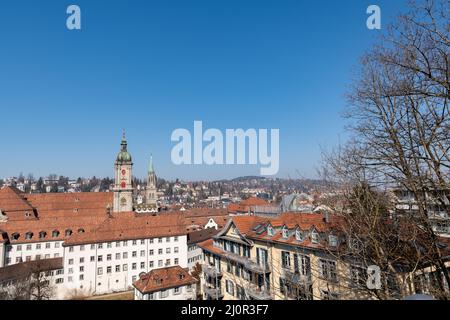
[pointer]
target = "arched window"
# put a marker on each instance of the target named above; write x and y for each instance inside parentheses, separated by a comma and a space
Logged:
(68, 232)
(28, 235)
(55, 233)
(42, 234)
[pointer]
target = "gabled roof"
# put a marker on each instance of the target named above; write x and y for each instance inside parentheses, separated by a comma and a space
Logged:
(247, 226)
(163, 279)
(54, 211)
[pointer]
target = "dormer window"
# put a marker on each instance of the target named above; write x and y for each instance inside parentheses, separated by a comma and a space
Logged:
(285, 232)
(55, 233)
(181, 276)
(298, 235)
(27, 214)
(28, 235)
(270, 231)
(314, 237)
(332, 240)
(42, 235)
(15, 236)
(68, 232)
(81, 230)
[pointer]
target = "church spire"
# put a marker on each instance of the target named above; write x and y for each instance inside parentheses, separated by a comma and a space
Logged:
(150, 165)
(123, 187)
(123, 143)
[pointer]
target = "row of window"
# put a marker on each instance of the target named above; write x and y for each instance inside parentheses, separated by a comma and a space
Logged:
(43, 234)
(165, 293)
(124, 255)
(302, 235)
(230, 288)
(29, 258)
(233, 247)
(192, 247)
(125, 243)
(38, 246)
(195, 259)
(134, 266)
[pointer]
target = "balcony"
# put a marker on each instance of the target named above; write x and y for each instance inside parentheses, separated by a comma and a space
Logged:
(211, 271)
(213, 293)
(258, 293)
(247, 263)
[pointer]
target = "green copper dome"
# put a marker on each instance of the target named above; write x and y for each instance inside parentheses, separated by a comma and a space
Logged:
(123, 155)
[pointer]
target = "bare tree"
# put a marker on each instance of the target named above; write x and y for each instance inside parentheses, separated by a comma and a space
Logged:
(35, 284)
(400, 120)
(196, 272)
(40, 287)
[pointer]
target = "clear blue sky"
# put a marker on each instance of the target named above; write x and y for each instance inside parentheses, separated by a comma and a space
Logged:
(153, 66)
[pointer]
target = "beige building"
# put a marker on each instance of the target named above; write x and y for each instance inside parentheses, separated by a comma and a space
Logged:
(289, 257)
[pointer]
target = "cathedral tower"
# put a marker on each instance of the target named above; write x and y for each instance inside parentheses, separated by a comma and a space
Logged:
(123, 189)
(150, 191)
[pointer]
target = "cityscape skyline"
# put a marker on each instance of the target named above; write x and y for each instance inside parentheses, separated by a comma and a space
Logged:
(162, 66)
(227, 150)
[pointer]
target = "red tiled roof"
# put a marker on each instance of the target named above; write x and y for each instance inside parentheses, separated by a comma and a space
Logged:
(130, 226)
(254, 201)
(245, 205)
(13, 202)
(163, 279)
(195, 219)
(52, 212)
(87, 212)
(208, 246)
(305, 221)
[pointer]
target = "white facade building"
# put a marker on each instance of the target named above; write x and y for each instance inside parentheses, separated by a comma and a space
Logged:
(107, 267)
